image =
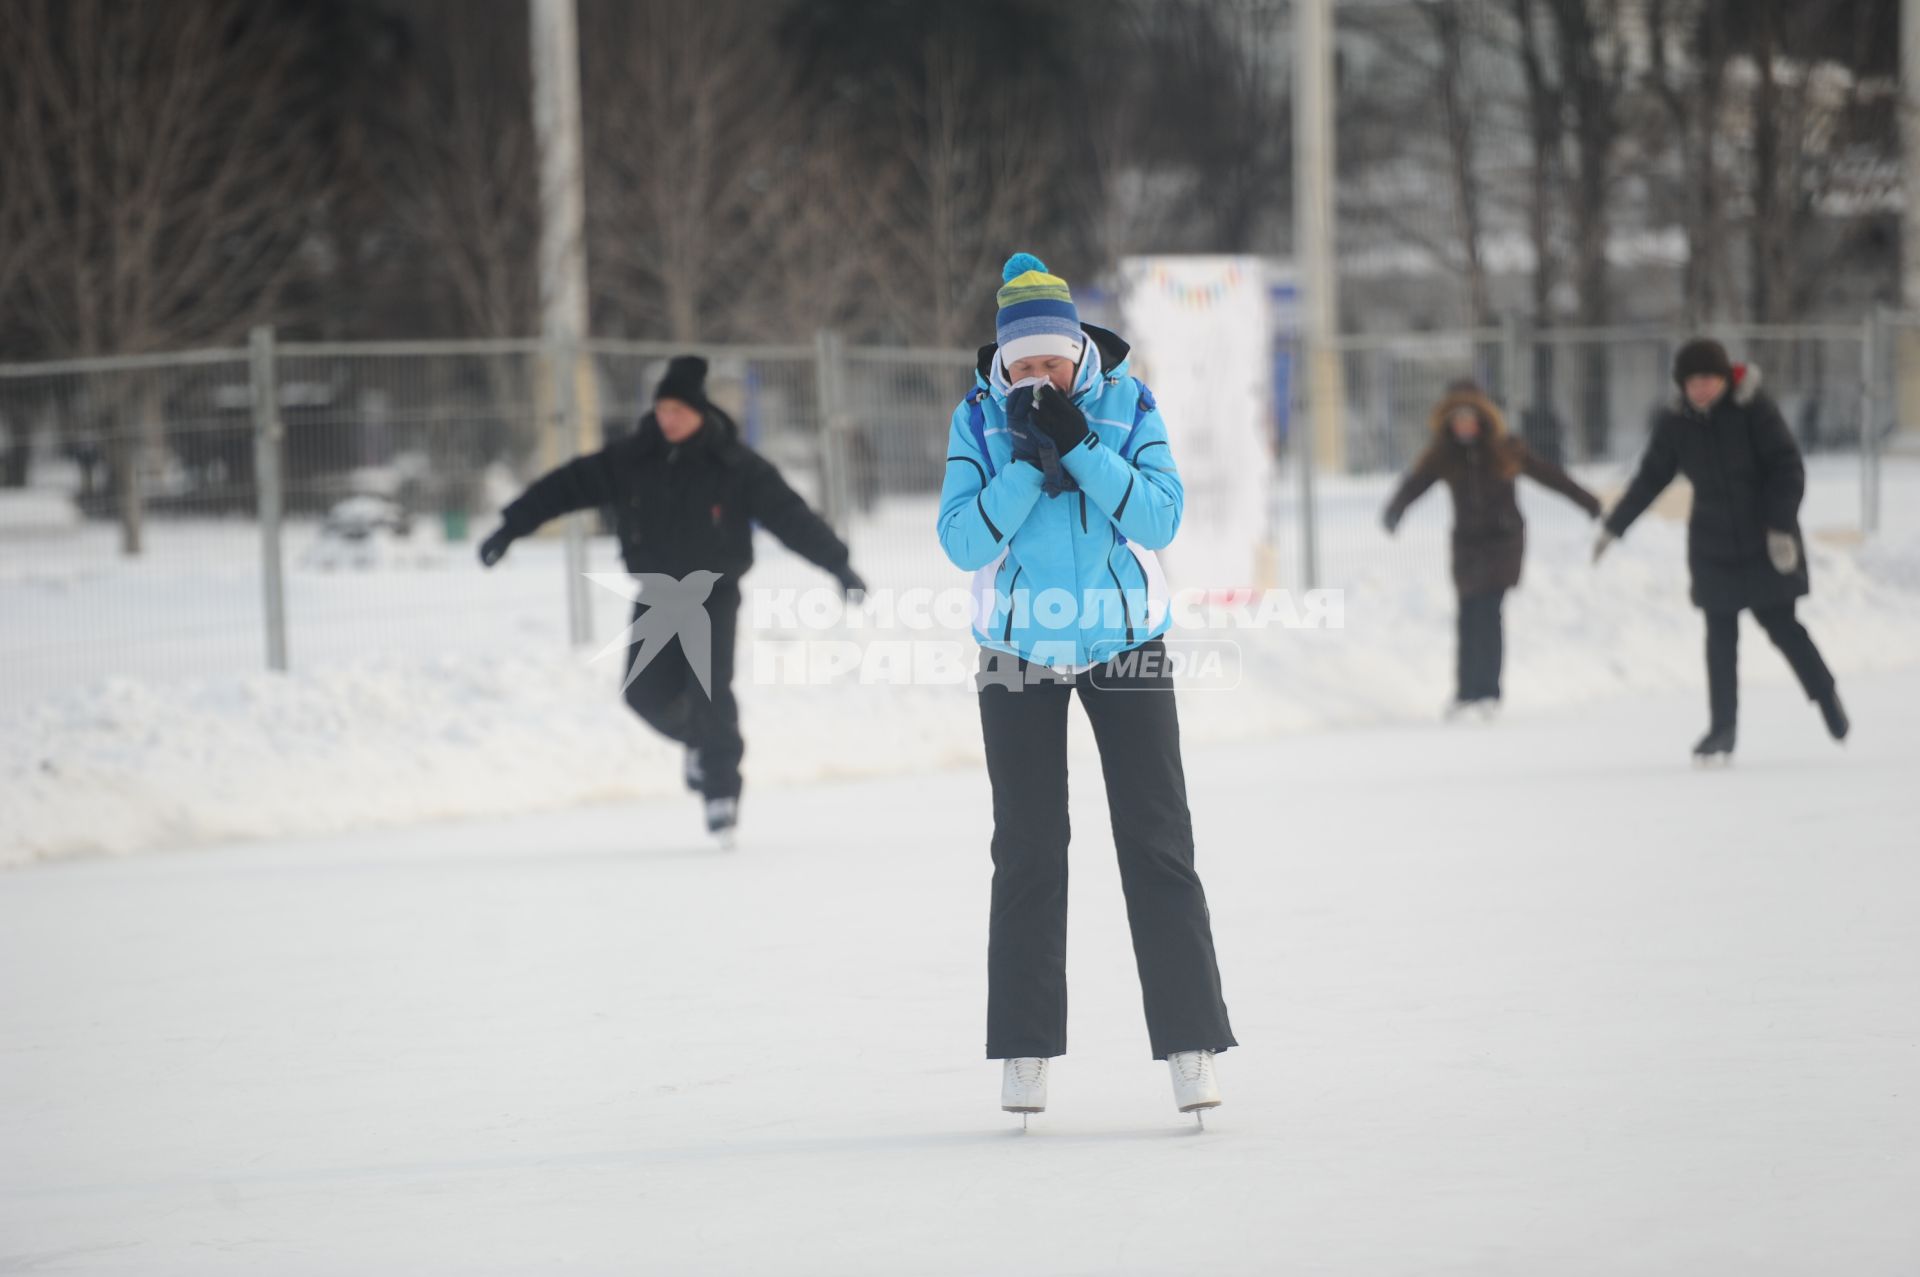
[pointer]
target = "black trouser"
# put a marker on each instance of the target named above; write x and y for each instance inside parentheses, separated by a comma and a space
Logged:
(667, 695)
(1481, 648)
(1723, 659)
(1135, 725)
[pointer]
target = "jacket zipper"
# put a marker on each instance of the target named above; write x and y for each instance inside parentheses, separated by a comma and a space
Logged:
(1126, 609)
(1007, 635)
(1720, 472)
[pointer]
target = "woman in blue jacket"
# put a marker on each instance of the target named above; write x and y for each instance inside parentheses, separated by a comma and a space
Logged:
(1060, 483)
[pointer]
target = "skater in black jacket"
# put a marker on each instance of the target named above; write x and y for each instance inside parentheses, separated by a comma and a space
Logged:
(685, 492)
(1744, 548)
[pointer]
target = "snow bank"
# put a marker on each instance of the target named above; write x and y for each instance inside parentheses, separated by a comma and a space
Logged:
(425, 694)
(36, 511)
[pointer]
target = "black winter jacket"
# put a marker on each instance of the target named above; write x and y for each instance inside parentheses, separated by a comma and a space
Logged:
(1747, 480)
(682, 507)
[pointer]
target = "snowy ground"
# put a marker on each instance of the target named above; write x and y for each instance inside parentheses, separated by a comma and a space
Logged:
(1530, 998)
(137, 716)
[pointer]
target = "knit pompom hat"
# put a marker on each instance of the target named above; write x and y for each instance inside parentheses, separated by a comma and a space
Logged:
(686, 381)
(1037, 314)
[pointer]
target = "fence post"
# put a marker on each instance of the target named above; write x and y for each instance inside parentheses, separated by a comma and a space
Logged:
(269, 491)
(1869, 421)
(563, 358)
(1511, 339)
(1301, 443)
(829, 384)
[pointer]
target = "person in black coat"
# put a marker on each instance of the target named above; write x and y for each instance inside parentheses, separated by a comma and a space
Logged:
(1744, 548)
(1472, 453)
(685, 493)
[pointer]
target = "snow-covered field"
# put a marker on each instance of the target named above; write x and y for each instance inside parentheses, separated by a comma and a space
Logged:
(138, 716)
(1523, 999)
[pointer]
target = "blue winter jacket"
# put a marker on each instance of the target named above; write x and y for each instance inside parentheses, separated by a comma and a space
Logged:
(1068, 580)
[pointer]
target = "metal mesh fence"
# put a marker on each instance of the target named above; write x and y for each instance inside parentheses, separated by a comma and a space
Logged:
(133, 490)
(895, 408)
(127, 539)
(388, 460)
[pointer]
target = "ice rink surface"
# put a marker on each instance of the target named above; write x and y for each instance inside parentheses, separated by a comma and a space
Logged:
(1527, 998)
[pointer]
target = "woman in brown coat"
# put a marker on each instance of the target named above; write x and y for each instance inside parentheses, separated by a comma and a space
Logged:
(1474, 456)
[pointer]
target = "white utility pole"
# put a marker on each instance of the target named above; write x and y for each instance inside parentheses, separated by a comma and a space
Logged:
(556, 125)
(1910, 138)
(1322, 442)
(1906, 333)
(568, 383)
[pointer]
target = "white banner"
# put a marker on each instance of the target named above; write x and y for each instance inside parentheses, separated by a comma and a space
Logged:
(1202, 341)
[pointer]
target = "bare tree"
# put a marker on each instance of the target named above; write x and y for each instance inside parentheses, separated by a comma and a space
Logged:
(1688, 60)
(1451, 36)
(1128, 202)
(688, 115)
(971, 182)
(1544, 131)
(169, 145)
(1797, 108)
(1417, 125)
(1575, 66)
(1227, 114)
(816, 267)
(21, 235)
(1758, 97)
(1592, 66)
(459, 181)
(460, 174)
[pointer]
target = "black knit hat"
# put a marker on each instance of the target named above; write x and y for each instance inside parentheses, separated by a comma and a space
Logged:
(686, 380)
(1702, 358)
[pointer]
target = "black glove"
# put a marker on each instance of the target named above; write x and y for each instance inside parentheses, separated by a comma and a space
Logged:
(494, 548)
(1026, 441)
(852, 587)
(1059, 419)
(1056, 480)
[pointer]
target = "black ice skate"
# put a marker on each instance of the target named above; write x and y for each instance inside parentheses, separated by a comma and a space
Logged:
(1836, 716)
(1715, 748)
(723, 815)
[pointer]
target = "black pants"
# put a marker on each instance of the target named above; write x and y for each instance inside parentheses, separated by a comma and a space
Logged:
(1131, 708)
(1481, 647)
(1723, 659)
(668, 697)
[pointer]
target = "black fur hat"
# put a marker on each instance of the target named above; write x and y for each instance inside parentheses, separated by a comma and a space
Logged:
(686, 380)
(1701, 358)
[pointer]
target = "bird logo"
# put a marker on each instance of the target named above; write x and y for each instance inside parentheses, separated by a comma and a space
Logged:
(669, 607)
